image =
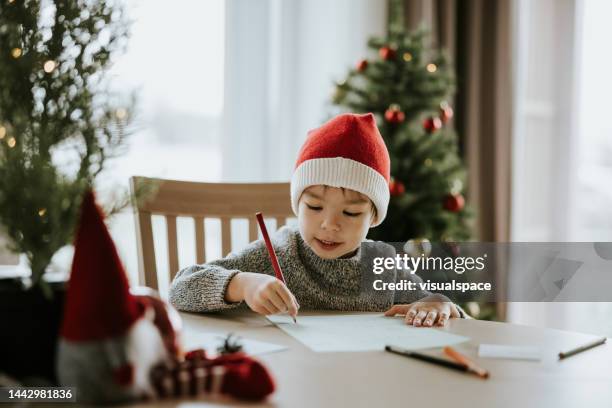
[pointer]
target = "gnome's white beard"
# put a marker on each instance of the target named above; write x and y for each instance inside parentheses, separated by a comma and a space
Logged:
(145, 349)
(89, 365)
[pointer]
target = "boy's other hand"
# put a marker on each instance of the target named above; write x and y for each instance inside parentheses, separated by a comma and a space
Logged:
(427, 312)
(267, 295)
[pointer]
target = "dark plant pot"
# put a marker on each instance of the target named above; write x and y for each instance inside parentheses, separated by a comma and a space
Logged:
(30, 326)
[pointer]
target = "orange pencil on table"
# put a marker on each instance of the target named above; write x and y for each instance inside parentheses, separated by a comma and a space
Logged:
(277, 269)
(460, 358)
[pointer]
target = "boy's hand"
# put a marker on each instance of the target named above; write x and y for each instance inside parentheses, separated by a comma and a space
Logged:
(266, 295)
(429, 311)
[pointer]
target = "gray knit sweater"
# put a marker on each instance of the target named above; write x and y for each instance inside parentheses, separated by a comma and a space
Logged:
(334, 284)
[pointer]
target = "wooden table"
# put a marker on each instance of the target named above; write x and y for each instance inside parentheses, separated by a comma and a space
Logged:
(379, 379)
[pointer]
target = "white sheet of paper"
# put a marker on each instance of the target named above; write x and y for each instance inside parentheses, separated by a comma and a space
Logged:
(361, 332)
(211, 341)
(509, 352)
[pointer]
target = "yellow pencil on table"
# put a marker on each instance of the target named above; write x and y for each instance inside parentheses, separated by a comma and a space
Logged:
(470, 365)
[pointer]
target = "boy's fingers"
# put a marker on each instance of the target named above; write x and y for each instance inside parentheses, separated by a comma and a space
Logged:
(397, 309)
(288, 300)
(277, 301)
(442, 319)
(269, 306)
(410, 314)
(262, 309)
(454, 311)
(430, 318)
(419, 317)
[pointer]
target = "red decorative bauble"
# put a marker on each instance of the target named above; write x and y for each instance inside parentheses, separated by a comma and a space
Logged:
(396, 188)
(362, 65)
(432, 124)
(394, 114)
(454, 248)
(454, 202)
(387, 53)
(446, 113)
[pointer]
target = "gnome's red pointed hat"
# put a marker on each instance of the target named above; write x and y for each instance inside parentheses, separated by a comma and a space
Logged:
(348, 151)
(98, 302)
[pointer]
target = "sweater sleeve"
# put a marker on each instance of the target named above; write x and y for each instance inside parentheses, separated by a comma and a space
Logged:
(201, 288)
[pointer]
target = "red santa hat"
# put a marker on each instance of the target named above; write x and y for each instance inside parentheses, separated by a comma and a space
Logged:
(348, 151)
(98, 303)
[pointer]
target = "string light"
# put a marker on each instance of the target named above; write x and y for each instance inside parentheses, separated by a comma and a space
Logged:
(407, 56)
(121, 113)
(2, 132)
(16, 52)
(42, 211)
(11, 142)
(428, 162)
(49, 66)
(432, 67)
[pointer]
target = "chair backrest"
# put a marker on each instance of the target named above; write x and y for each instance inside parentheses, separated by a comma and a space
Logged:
(224, 201)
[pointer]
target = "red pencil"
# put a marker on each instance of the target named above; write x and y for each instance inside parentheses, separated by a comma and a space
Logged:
(277, 269)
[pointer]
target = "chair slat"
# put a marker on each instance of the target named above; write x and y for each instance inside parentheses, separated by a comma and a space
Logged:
(253, 229)
(226, 236)
(175, 198)
(147, 270)
(200, 242)
(172, 246)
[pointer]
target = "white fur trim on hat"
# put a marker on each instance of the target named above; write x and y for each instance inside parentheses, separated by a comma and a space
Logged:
(341, 172)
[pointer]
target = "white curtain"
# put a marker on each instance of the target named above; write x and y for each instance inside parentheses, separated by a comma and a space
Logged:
(282, 57)
(554, 197)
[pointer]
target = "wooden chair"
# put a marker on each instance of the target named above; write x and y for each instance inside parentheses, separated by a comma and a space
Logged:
(225, 201)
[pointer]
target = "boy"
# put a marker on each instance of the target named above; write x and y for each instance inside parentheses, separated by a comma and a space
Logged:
(339, 189)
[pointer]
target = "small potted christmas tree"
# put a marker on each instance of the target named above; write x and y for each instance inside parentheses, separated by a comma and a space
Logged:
(59, 123)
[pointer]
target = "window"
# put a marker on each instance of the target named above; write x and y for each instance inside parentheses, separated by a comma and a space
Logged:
(175, 62)
(563, 141)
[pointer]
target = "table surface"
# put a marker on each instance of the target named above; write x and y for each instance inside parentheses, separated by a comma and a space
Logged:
(378, 379)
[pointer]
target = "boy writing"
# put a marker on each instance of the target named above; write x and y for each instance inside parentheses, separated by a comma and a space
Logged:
(339, 189)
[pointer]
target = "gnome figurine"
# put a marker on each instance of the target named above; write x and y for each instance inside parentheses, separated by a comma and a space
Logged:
(110, 338)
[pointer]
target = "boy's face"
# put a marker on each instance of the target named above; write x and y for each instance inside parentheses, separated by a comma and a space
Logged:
(334, 222)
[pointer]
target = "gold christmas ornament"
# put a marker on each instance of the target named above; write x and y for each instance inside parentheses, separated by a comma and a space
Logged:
(16, 52)
(11, 142)
(457, 186)
(2, 132)
(407, 56)
(432, 67)
(417, 247)
(339, 94)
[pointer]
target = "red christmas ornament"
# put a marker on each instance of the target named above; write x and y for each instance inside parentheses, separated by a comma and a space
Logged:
(394, 114)
(454, 202)
(362, 65)
(432, 124)
(387, 53)
(454, 248)
(396, 188)
(446, 113)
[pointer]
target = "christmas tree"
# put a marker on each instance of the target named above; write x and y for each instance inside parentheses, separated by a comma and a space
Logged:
(409, 89)
(59, 122)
